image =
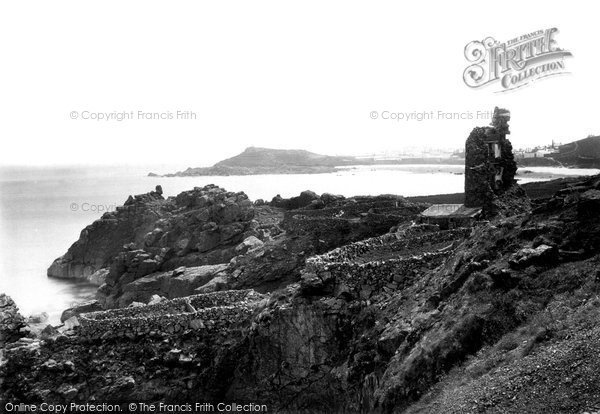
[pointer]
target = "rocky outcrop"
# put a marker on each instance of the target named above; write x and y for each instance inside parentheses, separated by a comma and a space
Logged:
(149, 234)
(543, 254)
(101, 241)
(209, 239)
(85, 307)
(303, 200)
(327, 222)
(182, 281)
(197, 227)
(11, 321)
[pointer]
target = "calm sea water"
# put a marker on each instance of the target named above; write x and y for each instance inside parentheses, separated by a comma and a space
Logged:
(43, 210)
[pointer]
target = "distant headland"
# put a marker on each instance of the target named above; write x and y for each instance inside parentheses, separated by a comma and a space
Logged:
(256, 161)
(583, 153)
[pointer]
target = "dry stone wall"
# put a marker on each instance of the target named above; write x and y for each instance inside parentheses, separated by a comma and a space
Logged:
(204, 313)
(390, 241)
(374, 277)
(347, 273)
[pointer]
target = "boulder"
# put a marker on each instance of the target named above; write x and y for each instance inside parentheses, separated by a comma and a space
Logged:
(226, 213)
(136, 305)
(216, 284)
(303, 200)
(249, 243)
(169, 284)
(185, 283)
(37, 318)
(541, 255)
(153, 237)
(98, 278)
(154, 299)
(278, 201)
(140, 290)
(48, 332)
(85, 307)
(71, 323)
(328, 198)
(120, 388)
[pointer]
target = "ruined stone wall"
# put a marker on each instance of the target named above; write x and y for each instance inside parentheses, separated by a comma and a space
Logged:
(478, 189)
(202, 313)
(366, 225)
(391, 241)
(299, 223)
(377, 212)
(488, 174)
(205, 321)
(371, 278)
(343, 268)
(355, 207)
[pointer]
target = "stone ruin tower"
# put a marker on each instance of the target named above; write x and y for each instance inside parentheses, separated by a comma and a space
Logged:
(490, 166)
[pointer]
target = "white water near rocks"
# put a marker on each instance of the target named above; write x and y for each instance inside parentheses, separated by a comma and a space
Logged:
(43, 210)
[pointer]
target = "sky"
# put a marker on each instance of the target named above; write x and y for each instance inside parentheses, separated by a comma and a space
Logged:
(276, 74)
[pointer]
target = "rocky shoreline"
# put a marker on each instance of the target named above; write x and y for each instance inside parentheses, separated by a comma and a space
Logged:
(318, 303)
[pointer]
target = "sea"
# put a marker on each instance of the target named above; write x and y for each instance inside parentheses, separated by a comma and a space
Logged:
(44, 209)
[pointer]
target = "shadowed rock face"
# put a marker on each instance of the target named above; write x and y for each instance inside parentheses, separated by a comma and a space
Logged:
(101, 241)
(196, 227)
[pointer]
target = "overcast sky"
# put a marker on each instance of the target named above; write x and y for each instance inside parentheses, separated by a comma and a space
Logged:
(280, 74)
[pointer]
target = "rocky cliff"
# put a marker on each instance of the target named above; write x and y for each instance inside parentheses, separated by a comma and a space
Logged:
(198, 227)
(103, 239)
(500, 317)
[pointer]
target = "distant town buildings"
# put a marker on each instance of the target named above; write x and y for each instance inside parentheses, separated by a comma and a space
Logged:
(538, 152)
(421, 152)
